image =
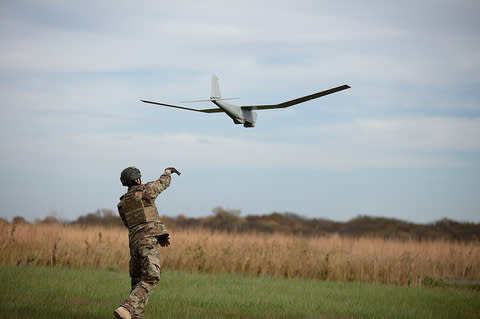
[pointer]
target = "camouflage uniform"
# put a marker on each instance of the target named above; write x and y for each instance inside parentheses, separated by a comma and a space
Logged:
(143, 242)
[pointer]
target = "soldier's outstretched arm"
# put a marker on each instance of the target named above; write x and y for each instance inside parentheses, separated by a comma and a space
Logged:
(171, 170)
(156, 187)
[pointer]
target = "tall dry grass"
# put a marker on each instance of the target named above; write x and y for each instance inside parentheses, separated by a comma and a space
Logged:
(326, 258)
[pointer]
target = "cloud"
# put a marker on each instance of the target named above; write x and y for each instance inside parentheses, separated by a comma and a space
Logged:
(359, 44)
(429, 134)
(414, 143)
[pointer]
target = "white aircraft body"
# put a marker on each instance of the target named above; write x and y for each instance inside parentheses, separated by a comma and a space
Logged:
(245, 114)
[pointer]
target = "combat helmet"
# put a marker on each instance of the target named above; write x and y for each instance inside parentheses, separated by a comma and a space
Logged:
(129, 175)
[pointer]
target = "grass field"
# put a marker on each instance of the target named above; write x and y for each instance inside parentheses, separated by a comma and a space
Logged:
(58, 292)
(331, 258)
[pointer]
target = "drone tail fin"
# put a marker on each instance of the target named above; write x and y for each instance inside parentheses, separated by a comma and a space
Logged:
(215, 88)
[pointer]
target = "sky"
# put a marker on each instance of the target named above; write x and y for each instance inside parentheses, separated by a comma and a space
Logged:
(403, 142)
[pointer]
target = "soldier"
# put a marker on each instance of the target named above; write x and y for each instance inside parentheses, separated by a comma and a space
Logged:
(145, 232)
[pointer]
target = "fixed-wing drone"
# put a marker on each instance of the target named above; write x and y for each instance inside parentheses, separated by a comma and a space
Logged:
(245, 114)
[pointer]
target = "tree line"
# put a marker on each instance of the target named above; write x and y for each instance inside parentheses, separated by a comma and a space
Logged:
(291, 223)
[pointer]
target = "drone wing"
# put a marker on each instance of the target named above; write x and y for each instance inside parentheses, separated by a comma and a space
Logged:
(296, 101)
(216, 110)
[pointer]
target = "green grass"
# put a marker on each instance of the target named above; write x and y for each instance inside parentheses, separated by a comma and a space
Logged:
(41, 292)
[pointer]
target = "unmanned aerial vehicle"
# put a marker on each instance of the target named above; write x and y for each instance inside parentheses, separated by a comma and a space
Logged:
(245, 114)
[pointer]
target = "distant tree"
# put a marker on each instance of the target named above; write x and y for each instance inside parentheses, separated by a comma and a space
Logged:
(220, 211)
(224, 219)
(291, 223)
(50, 220)
(19, 220)
(104, 217)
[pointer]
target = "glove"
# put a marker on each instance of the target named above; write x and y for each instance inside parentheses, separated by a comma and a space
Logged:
(173, 170)
(163, 240)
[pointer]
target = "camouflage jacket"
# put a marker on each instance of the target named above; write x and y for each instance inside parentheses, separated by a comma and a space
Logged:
(150, 191)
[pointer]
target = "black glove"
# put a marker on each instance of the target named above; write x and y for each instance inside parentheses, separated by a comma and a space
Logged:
(173, 170)
(163, 240)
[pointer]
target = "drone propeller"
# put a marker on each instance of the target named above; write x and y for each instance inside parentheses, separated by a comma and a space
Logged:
(213, 99)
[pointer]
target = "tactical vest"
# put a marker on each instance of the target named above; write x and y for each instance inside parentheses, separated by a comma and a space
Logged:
(132, 208)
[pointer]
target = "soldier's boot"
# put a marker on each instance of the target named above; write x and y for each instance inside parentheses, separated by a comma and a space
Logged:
(122, 313)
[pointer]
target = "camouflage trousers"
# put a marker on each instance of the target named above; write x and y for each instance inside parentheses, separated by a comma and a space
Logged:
(144, 272)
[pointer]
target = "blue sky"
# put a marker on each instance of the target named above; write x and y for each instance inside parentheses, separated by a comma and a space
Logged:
(403, 142)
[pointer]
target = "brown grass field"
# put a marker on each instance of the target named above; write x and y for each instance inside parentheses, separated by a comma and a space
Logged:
(371, 260)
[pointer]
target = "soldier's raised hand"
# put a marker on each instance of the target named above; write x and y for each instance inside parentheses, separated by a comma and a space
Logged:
(171, 170)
